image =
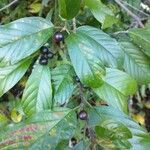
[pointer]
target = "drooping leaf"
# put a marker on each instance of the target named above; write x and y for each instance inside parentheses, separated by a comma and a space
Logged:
(90, 49)
(37, 95)
(100, 115)
(68, 9)
(43, 130)
(10, 75)
(141, 37)
(21, 38)
(136, 63)
(116, 88)
(85, 62)
(101, 12)
(63, 83)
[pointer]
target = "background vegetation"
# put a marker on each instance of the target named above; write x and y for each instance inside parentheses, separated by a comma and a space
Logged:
(93, 93)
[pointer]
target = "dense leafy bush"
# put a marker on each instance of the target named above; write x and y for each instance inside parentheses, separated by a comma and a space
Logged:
(66, 77)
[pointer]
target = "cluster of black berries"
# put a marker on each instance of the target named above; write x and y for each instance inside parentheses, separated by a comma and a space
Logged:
(45, 55)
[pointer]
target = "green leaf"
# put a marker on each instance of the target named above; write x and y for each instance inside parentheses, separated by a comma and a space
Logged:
(114, 134)
(42, 130)
(41, 143)
(87, 65)
(10, 75)
(79, 146)
(63, 83)
(23, 37)
(141, 141)
(117, 86)
(68, 9)
(106, 48)
(3, 120)
(99, 115)
(63, 145)
(141, 37)
(89, 50)
(136, 63)
(37, 95)
(101, 12)
(111, 129)
(134, 3)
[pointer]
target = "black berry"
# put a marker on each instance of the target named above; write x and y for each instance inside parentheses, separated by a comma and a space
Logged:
(73, 141)
(86, 131)
(58, 37)
(77, 79)
(50, 55)
(44, 50)
(43, 60)
(83, 115)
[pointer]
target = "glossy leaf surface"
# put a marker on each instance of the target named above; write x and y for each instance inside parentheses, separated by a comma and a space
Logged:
(63, 83)
(10, 75)
(136, 63)
(116, 88)
(68, 9)
(23, 37)
(37, 95)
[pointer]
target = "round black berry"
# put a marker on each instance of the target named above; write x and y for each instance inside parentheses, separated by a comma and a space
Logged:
(77, 79)
(43, 61)
(73, 141)
(50, 55)
(58, 37)
(44, 50)
(83, 115)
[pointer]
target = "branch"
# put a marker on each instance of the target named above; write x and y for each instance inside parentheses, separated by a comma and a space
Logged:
(130, 13)
(10, 4)
(74, 25)
(135, 9)
(83, 99)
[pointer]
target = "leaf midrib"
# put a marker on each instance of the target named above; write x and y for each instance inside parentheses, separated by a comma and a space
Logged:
(37, 97)
(24, 37)
(89, 65)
